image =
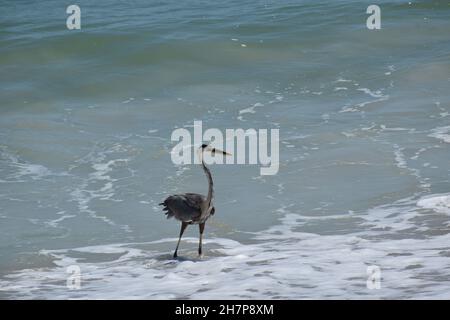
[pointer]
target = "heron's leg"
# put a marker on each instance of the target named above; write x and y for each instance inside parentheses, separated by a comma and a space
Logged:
(183, 227)
(201, 227)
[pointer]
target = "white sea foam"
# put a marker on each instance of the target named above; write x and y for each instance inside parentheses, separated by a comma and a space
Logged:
(391, 69)
(438, 203)
(400, 158)
(441, 133)
(343, 80)
(128, 100)
(375, 94)
(282, 262)
(365, 103)
(359, 106)
(297, 137)
(348, 109)
(21, 169)
(384, 128)
(249, 110)
(36, 171)
(55, 223)
(99, 185)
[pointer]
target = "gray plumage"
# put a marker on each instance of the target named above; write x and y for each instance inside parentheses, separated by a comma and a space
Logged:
(192, 208)
(185, 207)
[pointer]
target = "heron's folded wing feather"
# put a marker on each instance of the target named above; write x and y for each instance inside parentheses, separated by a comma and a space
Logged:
(184, 207)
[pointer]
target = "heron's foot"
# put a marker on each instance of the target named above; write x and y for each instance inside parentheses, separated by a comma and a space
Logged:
(175, 255)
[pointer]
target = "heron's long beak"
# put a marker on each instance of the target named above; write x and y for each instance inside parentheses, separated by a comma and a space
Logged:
(214, 150)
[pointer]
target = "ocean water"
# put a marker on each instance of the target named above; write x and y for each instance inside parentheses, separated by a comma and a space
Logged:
(86, 118)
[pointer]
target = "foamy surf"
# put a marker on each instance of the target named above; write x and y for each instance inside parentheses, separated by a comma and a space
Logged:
(438, 203)
(441, 133)
(280, 263)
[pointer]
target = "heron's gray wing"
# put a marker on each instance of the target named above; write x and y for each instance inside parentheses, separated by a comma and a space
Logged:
(185, 207)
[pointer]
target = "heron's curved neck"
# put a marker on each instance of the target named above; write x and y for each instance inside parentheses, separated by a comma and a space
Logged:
(210, 183)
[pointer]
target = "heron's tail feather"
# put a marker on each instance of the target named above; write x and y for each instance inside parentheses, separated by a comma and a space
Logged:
(169, 213)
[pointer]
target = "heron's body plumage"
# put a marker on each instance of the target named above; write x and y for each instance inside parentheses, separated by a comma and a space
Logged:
(187, 207)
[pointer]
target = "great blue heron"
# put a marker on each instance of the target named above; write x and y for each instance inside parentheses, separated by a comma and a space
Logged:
(193, 208)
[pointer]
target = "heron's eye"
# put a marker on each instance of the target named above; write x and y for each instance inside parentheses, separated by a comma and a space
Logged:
(204, 146)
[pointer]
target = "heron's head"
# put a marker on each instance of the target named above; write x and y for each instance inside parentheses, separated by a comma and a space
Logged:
(207, 148)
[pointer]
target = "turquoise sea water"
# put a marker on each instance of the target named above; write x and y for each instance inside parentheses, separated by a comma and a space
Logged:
(86, 118)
